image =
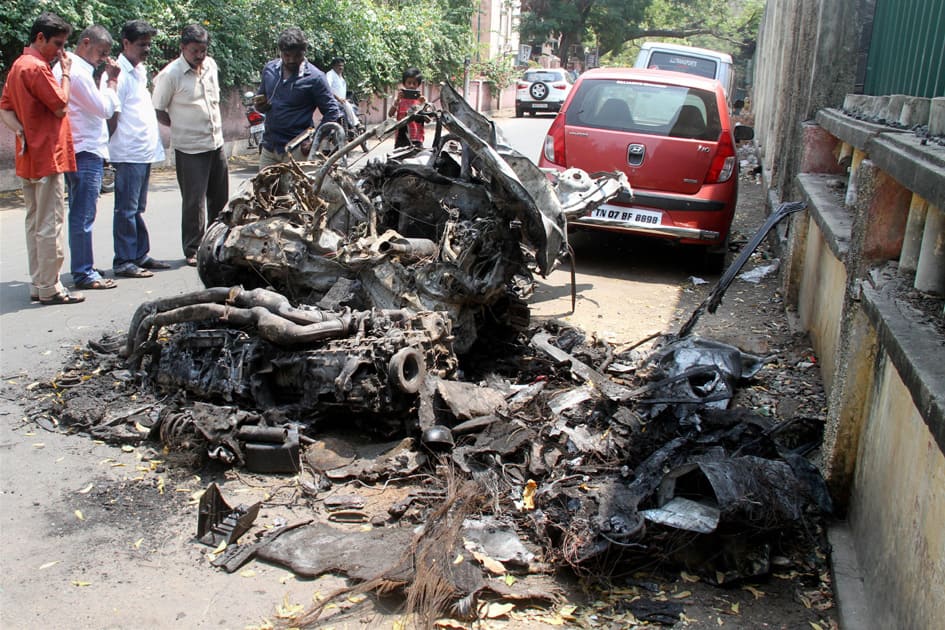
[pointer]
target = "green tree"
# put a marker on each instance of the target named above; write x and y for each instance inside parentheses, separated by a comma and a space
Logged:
(563, 20)
(727, 25)
(379, 38)
(612, 25)
(499, 72)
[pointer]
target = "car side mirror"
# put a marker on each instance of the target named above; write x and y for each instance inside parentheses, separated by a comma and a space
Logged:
(743, 132)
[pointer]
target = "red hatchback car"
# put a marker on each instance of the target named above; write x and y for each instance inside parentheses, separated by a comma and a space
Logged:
(672, 135)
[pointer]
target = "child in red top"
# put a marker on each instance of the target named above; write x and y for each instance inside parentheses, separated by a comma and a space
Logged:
(408, 97)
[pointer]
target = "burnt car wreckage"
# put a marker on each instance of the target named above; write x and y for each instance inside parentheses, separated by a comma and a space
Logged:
(394, 298)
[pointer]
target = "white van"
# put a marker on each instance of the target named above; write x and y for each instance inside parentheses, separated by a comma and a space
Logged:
(699, 61)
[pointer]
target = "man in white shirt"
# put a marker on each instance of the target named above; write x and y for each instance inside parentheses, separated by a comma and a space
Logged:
(339, 87)
(89, 108)
(134, 146)
(187, 98)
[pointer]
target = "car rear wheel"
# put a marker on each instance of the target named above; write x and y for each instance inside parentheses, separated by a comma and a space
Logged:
(518, 112)
(714, 259)
(714, 262)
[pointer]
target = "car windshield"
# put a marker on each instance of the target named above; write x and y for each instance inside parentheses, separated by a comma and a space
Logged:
(683, 63)
(543, 76)
(650, 108)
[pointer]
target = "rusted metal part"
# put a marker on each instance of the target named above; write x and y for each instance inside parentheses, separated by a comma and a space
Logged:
(370, 362)
(218, 523)
(611, 390)
(273, 315)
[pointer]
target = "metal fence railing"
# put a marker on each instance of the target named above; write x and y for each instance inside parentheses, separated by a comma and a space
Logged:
(907, 49)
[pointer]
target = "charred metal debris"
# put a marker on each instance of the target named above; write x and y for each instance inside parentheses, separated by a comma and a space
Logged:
(392, 301)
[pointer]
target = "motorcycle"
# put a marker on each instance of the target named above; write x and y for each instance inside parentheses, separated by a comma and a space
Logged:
(353, 131)
(108, 178)
(256, 120)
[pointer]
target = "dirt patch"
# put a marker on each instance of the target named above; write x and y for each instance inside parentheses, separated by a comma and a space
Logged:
(123, 506)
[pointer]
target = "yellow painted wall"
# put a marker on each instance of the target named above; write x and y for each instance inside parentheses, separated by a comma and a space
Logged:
(897, 510)
(820, 299)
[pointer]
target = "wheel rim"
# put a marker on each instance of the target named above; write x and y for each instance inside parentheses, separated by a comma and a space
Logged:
(538, 91)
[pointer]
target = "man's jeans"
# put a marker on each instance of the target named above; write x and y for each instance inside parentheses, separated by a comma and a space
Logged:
(84, 186)
(132, 243)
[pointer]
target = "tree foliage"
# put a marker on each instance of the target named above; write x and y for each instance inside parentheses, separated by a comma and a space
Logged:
(727, 25)
(613, 25)
(499, 72)
(379, 38)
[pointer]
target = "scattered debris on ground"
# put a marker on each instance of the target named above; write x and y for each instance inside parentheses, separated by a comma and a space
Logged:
(370, 330)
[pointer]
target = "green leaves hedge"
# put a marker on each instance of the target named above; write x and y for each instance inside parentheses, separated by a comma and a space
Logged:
(379, 39)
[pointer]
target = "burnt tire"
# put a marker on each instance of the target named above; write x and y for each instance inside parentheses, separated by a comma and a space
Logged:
(407, 370)
(212, 272)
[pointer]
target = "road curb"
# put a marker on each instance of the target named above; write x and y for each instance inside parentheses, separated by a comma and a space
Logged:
(849, 590)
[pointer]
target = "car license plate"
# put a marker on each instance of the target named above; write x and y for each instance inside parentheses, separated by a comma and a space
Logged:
(259, 127)
(540, 105)
(635, 216)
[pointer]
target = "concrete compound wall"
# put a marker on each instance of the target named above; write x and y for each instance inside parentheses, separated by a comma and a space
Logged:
(862, 267)
(824, 277)
(882, 367)
(806, 59)
(898, 513)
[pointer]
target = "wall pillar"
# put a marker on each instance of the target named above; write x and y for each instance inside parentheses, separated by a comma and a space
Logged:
(912, 240)
(930, 269)
(855, 161)
(881, 212)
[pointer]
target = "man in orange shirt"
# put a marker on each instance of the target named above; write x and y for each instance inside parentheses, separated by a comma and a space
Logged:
(33, 106)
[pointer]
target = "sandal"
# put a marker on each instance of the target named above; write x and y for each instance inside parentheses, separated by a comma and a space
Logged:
(94, 285)
(151, 263)
(63, 298)
(133, 272)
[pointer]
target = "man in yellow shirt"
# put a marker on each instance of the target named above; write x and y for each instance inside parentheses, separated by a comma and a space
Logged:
(187, 98)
